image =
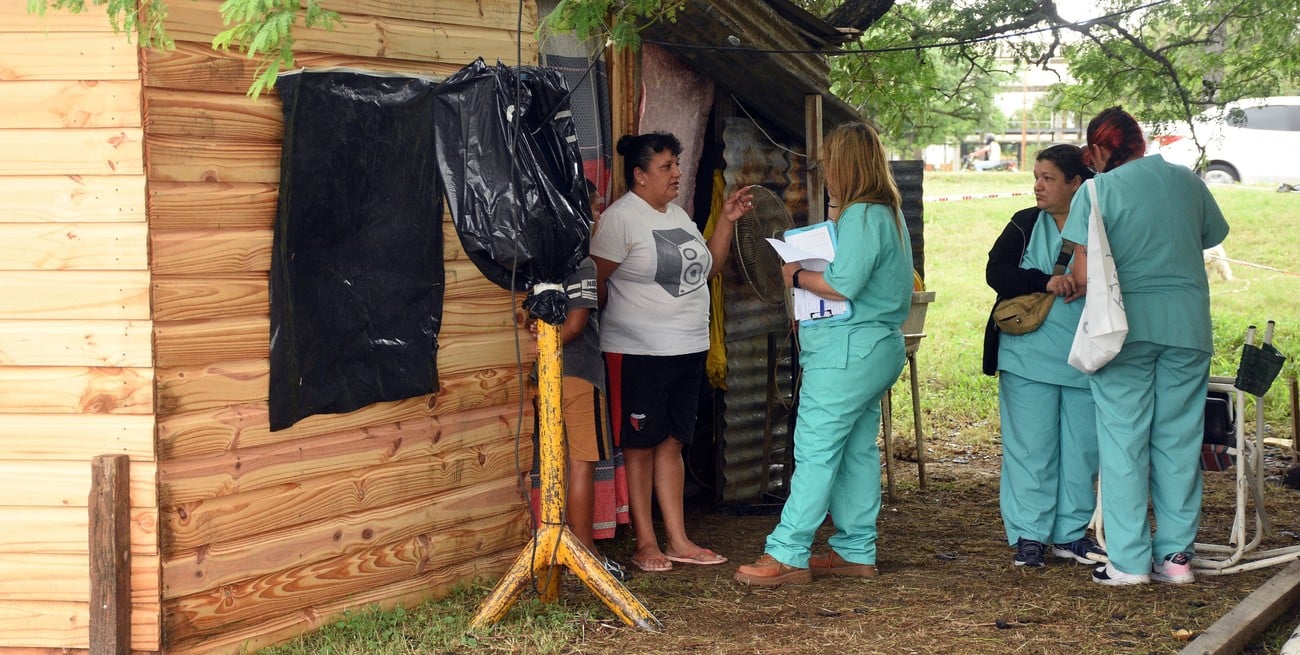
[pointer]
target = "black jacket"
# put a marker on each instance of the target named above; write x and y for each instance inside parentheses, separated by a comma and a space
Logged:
(1004, 275)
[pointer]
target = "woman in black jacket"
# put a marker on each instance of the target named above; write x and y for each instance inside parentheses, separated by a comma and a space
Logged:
(1049, 435)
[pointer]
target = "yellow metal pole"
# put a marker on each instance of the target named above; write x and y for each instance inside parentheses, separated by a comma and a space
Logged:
(554, 546)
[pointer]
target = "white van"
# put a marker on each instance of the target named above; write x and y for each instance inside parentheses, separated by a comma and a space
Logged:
(1250, 141)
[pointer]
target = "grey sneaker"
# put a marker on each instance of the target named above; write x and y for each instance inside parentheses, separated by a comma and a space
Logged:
(1082, 550)
(1029, 553)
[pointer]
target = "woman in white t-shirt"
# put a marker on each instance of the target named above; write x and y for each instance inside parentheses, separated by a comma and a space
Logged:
(652, 272)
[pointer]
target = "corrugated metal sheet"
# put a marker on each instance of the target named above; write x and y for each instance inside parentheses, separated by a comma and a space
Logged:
(754, 448)
(909, 175)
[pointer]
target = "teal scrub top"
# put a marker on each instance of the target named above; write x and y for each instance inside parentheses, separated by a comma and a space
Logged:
(1158, 217)
(1041, 355)
(873, 269)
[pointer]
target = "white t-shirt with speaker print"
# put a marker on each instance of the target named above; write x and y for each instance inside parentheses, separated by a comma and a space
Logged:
(657, 300)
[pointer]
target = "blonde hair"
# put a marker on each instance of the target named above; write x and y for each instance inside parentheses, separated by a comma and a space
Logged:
(859, 170)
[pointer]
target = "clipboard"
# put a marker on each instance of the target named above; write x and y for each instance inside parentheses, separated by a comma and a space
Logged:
(813, 247)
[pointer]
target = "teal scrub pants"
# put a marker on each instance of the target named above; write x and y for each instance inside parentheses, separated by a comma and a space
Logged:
(1049, 459)
(1150, 425)
(837, 462)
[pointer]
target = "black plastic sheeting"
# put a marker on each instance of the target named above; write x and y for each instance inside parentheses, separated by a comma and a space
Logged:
(516, 190)
(356, 271)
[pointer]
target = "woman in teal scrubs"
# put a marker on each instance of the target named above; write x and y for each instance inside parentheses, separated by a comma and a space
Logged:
(1049, 433)
(848, 364)
(1151, 397)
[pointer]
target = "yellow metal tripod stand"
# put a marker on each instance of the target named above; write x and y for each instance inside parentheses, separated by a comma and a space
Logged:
(554, 546)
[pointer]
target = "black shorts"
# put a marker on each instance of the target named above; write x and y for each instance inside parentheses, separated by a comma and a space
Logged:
(653, 397)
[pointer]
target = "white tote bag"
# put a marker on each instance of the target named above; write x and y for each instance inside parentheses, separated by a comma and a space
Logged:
(1104, 324)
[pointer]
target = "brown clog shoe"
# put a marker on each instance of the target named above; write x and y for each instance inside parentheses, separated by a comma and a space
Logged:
(830, 563)
(767, 572)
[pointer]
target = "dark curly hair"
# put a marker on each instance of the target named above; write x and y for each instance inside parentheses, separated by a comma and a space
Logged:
(1068, 158)
(638, 150)
(1118, 131)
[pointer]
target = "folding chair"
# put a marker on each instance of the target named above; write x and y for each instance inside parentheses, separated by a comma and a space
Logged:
(1259, 367)
(1226, 446)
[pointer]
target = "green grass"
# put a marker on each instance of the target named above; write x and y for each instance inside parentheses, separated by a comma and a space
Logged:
(961, 404)
(442, 626)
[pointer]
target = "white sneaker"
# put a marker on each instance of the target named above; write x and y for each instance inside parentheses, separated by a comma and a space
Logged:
(1175, 569)
(1111, 576)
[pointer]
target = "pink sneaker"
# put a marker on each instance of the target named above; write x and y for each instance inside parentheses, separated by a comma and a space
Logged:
(1175, 569)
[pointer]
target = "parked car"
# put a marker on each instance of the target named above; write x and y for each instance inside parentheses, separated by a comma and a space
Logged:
(1250, 141)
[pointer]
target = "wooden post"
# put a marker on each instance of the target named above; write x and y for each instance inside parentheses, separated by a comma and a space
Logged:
(1295, 421)
(110, 555)
(554, 546)
(812, 108)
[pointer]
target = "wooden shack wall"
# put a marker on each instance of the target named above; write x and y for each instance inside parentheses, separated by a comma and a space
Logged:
(76, 376)
(268, 534)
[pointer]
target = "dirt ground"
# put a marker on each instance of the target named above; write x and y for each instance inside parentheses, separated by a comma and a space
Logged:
(947, 585)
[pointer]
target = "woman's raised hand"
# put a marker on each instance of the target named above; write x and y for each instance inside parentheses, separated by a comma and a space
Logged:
(740, 201)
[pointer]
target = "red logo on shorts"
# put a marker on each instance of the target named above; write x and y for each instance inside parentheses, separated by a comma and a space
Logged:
(637, 420)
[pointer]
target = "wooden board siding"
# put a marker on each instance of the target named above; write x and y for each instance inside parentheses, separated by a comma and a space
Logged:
(72, 198)
(76, 361)
(266, 534)
(64, 103)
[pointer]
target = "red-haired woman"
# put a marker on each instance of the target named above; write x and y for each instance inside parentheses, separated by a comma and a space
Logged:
(1151, 397)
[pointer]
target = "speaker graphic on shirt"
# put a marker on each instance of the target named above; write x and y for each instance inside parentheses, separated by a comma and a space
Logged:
(683, 264)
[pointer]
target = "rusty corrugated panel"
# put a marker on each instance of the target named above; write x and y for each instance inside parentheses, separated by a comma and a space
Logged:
(754, 450)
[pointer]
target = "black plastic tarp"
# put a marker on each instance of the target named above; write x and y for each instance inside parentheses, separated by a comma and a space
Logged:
(516, 190)
(356, 272)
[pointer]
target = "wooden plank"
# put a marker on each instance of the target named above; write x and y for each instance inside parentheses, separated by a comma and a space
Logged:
(218, 430)
(371, 36)
(65, 577)
(15, 17)
(72, 199)
(212, 205)
(67, 103)
(66, 483)
(474, 458)
(74, 246)
(110, 555)
(1237, 628)
(215, 252)
(209, 115)
(194, 343)
(90, 151)
(246, 250)
(75, 390)
(262, 467)
(271, 629)
(174, 159)
(196, 66)
(76, 436)
(223, 384)
(78, 295)
(283, 545)
(76, 343)
(67, 56)
(63, 625)
(301, 587)
(207, 297)
(63, 530)
(495, 14)
(465, 282)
